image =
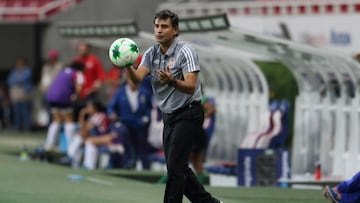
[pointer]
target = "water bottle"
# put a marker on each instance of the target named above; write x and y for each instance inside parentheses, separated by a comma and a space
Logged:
(317, 171)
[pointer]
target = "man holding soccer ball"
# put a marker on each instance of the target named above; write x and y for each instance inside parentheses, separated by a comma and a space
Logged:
(174, 68)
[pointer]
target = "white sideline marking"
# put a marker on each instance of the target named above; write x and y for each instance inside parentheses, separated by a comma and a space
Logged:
(103, 182)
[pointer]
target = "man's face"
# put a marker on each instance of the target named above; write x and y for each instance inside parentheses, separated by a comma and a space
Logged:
(20, 63)
(83, 49)
(164, 31)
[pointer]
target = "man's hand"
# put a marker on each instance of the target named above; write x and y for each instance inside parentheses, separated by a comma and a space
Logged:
(165, 76)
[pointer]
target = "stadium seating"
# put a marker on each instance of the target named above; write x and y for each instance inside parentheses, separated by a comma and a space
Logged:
(265, 126)
(276, 137)
(271, 134)
(279, 140)
(273, 128)
(32, 10)
(209, 123)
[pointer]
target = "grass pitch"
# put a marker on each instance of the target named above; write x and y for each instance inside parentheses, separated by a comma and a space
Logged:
(38, 182)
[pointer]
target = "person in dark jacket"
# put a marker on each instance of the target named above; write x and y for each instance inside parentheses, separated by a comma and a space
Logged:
(131, 107)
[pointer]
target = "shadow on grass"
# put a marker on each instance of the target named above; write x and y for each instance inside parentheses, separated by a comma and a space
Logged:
(137, 176)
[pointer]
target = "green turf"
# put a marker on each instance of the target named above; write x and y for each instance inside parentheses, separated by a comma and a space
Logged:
(37, 182)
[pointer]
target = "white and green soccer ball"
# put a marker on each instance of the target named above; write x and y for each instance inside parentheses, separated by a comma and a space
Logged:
(123, 52)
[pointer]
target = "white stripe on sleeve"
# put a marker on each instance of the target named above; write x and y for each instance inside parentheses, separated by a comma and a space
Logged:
(144, 59)
(189, 58)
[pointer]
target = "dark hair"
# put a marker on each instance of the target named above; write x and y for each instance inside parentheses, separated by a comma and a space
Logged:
(77, 65)
(168, 14)
(357, 57)
(85, 43)
(97, 104)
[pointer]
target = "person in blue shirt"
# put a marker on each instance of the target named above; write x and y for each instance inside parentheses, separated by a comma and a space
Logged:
(132, 105)
(20, 86)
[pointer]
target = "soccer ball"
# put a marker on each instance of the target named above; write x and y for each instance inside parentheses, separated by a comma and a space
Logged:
(123, 52)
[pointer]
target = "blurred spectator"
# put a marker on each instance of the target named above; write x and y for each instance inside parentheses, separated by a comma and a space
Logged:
(5, 112)
(155, 137)
(94, 72)
(146, 83)
(113, 79)
(62, 92)
(132, 105)
(201, 142)
(20, 86)
(2, 105)
(94, 131)
(49, 71)
(94, 76)
(105, 137)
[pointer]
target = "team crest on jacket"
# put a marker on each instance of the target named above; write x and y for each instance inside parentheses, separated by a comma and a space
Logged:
(171, 63)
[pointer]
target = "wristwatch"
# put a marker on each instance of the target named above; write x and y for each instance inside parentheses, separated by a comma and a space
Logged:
(172, 83)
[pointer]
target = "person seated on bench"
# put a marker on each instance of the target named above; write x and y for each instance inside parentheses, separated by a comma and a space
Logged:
(345, 192)
(131, 107)
(94, 131)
